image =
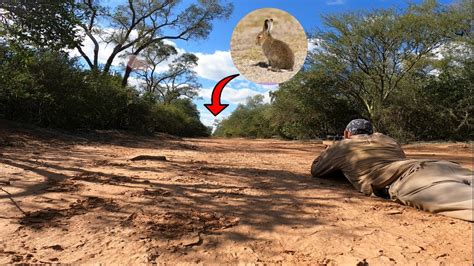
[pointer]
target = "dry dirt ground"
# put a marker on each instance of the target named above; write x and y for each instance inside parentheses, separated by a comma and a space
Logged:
(248, 56)
(220, 201)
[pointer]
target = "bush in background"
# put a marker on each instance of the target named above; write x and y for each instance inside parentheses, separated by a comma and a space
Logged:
(49, 89)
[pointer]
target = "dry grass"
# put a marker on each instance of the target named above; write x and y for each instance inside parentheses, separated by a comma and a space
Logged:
(246, 54)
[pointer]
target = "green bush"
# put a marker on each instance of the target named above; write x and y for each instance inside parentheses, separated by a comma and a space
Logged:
(252, 119)
(180, 118)
(425, 107)
(310, 106)
(51, 90)
(439, 107)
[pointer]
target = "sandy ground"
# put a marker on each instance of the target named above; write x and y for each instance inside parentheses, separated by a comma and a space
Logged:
(248, 56)
(211, 201)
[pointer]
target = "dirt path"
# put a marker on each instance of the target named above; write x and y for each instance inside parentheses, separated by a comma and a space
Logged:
(220, 201)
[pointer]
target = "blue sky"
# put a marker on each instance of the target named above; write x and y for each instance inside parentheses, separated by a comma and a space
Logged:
(214, 52)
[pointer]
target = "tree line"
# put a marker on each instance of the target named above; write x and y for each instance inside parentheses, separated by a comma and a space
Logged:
(40, 83)
(408, 71)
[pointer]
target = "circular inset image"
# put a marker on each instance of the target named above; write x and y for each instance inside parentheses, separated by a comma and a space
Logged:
(268, 46)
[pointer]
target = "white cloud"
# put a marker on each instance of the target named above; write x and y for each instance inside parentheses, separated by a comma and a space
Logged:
(164, 66)
(215, 66)
(105, 50)
(314, 44)
(335, 2)
(180, 50)
(272, 87)
(239, 94)
(135, 82)
(434, 72)
(209, 119)
(243, 84)
(266, 97)
(311, 46)
(230, 95)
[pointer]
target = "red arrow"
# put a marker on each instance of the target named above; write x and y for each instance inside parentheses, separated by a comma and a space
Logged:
(215, 107)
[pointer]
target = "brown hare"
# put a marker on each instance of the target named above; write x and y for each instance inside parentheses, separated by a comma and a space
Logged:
(278, 53)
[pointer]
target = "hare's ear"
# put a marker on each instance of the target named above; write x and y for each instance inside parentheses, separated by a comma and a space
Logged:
(266, 25)
(269, 25)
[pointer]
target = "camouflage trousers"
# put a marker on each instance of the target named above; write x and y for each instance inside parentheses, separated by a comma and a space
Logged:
(437, 186)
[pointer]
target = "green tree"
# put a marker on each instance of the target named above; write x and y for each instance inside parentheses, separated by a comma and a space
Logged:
(179, 80)
(47, 88)
(251, 119)
(369, 54)
(310, 106)
(436, 106)
(130, 27)
(180, 118)
(45, 23)
(139, 24)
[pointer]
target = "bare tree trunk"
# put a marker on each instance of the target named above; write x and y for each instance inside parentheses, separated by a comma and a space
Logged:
(128, 71)
(128, 68)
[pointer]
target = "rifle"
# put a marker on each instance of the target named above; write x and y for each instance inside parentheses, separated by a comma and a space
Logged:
(331, 139)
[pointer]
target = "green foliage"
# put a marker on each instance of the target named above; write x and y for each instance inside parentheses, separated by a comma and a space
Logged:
(380, 65)
(310, 106)
(179, 118)
(370, 54)
(252, 119)
(44, 23)
(425, 107)
(433, 108)
(49, 89)
(179, 80)
(134, 26)
(46, 88)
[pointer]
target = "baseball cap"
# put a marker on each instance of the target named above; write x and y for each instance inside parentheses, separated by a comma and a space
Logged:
(360, 126)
